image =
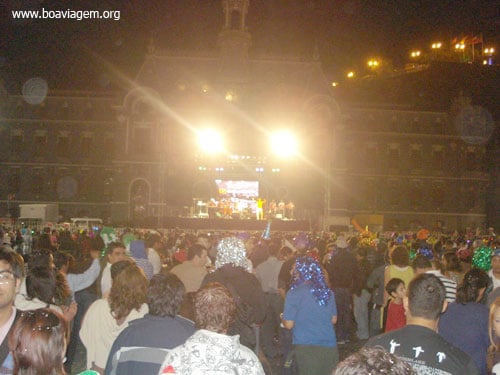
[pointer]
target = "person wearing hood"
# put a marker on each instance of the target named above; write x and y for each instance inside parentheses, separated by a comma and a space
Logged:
(310, 311)
(233, 270)
(138, 253)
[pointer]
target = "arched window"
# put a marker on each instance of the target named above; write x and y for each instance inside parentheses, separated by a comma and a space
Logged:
(438, 196)
(139, 200)
(235, 20)
(437, 158)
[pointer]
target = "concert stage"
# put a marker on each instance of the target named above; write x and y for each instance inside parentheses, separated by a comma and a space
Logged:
(234, 224)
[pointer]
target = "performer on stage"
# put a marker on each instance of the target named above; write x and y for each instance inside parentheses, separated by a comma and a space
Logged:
(212, 208)
(260, 208)
(281, 209)
(272, 209)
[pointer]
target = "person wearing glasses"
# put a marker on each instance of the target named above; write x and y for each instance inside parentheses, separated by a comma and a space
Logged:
(11, 274)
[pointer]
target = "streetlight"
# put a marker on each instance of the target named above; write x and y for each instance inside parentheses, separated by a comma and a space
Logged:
(373, 63)
(436, 49)
(460, 47)
(488, 52)
(415, 54)
(350, 74)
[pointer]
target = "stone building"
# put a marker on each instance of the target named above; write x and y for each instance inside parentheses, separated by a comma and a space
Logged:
(132, 157)
(421, 149)
(246, 98)
(58, 150)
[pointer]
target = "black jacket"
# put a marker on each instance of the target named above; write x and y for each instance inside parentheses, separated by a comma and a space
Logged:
(249, 291)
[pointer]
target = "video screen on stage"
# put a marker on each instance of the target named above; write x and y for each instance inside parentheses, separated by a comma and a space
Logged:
(240, 189)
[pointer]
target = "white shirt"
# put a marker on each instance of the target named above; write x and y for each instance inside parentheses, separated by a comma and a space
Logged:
(99, 330)
(155, 260)
(106, 279)
(4, 330)
(496, 282)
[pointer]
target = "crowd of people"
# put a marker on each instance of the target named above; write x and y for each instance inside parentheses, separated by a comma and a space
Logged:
(174, 302)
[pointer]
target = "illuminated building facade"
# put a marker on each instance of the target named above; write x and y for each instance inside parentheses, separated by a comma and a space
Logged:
(133, 157)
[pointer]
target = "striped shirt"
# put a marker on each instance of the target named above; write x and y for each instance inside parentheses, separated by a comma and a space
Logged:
(449, 285)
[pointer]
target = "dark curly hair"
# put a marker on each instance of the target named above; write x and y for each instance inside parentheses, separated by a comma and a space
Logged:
(373, 361)
(41, 284)
(470, 290)
(165, 295)
(128, 291)
(400, 256)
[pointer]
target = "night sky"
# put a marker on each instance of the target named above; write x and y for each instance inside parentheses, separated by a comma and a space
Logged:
(73, 54)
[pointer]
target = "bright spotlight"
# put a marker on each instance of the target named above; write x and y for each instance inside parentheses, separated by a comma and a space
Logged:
(210, 141)
(284, 144)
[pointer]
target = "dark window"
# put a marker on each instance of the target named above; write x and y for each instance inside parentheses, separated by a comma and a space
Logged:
(63, 147)
(471, 160)
(109, 145)
(393, 160)
(141, 142)
(453, 159)
(416, 158)
(371, 157)
(85, 146)
(437, 159)
(471, 197)
(438, 196)
(235, 20)
(14, 182)
(39, 145)
(415, 195)
(393, 124)
(16, 144)
(108, 187)
(370, 194)
(85, 184)
(391, 195)
(37, 184)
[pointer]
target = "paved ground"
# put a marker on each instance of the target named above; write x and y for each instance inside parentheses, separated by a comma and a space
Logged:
(80, 360)
(344, 351)
(350, 347)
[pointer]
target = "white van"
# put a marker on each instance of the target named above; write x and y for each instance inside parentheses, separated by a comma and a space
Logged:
(86, 223)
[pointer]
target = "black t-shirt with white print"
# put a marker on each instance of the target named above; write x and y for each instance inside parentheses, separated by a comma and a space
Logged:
(426, 351)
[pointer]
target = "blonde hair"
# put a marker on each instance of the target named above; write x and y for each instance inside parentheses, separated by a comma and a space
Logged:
(494, 341)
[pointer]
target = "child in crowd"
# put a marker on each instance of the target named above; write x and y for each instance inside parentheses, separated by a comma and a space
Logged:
(396, 317)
